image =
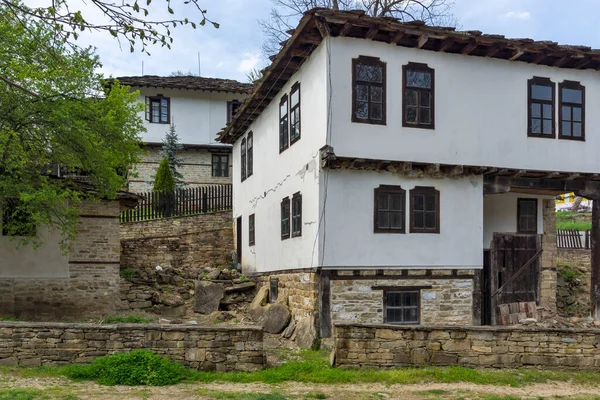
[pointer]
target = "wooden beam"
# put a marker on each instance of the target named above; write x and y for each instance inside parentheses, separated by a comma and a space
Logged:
(422, 40)
(397, 38)
(446, 45)
(346, 29)
(517, 55)
(492, 51)
(539, 58)
(583, 63)
(456, 170)
(573, 176)
(552, 175)
(323, 29)
(469, 48)
(406, 167)
(432, 168)
(561, 61)
(496, 185)
(491, 171)
(480, 170)
(310, 39)
(372, 32)
(519, 173)
(595, 237)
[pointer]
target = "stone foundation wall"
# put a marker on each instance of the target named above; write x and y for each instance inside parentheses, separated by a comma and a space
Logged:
(548, 265)
(444, 298)
(92, 284)
(385, 346)
(574, 282)
(204, 348)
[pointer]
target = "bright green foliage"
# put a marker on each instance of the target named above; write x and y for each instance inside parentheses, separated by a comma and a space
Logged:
(141, 367)
(21, 394)
(127, 319)
(579, 221)
(128, 273)
(164, 181)
(56, 111)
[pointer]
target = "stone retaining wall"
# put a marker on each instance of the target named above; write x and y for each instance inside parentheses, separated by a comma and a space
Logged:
(574, 270)
(384, 346)
(205, 348)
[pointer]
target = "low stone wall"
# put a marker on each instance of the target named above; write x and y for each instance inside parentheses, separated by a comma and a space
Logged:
(574, 270)
(204, 348)
(384, 346)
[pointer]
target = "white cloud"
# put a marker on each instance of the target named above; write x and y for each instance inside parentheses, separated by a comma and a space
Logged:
(521, 15)
(250, 61)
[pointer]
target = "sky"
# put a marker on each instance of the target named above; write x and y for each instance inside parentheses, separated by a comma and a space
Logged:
(235, 48)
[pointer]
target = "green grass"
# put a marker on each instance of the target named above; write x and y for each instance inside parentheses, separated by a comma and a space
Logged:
(9, 319)
(128, 273)
(223, 395)
(573, 220)
(22, 394)
(126, 319)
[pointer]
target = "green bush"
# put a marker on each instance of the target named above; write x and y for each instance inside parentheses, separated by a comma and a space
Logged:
(140, 367)
(164, 181)
(128, 273)
(10, 319)
(568, 274)
(127, 319)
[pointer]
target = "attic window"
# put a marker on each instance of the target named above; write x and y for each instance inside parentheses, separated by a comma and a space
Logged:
(232, 107)
(158, 109)
(368, 90)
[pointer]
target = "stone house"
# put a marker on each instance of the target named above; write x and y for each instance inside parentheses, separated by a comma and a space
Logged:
(389, 172)
(199, 107)
(47, 284)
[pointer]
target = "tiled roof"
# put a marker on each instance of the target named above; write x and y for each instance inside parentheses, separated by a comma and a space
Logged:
(187, 82)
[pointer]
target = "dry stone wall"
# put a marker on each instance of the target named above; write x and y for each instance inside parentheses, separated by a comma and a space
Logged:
(574, 281)
(386, 346)
(205, 348)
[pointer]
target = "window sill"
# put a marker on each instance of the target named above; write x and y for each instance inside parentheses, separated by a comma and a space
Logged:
(541, 136)
(161, 123)
(367, 121)
(437, 231)
(417, 126)
(577, 139)
(391, 231)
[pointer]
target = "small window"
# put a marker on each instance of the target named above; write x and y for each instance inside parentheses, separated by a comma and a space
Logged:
(158, 109)
(424, 210)
(220, 165)
(250, 156)
(232, 107)
(527, 216)
(285, 218)
(572, 110)
(402, 306)
(389, 209)
(418, 100)
(368, 90)
(297, 215)
(295, 113)
(243, 158)
(283, 124)
(541, 107)
(273, 290)
(16, 221)
(251, 230)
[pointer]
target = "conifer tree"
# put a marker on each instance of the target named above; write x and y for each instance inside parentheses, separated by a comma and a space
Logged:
(164, 181)
(169, 151)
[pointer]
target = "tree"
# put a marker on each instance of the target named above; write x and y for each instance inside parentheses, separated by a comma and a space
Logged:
(254, 75)
(164, 181)
(127, 20)
(169, 151)
(285, 14)
(183, 73)
(57, 112)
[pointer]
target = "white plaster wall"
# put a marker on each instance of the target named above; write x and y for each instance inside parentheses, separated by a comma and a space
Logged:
(349, 239)
(500, 214)
(480, 112)
(198, 115)
(279, 175)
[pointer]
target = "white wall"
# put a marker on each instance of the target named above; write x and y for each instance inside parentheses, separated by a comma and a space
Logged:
(198, 115)
(279, 175)
(351, 242)
(500, 214)
(480, 112)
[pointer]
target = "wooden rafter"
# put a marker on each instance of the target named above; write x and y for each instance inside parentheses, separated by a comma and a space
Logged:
(422, 40)
(373, 31)
(518, 53)
(561, 61)
(446, 44)
(492, 51)
(346, 29)
(397, 37)
(469, 48)
(540, 57)
(323, 28)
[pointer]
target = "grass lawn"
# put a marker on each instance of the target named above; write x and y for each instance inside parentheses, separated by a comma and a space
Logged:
(573, 220)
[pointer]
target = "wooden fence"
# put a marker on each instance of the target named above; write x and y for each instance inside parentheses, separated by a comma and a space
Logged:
(572, 239)
(181, 203)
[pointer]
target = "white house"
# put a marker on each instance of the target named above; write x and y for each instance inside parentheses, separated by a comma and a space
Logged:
(199, 107)
(400, 173)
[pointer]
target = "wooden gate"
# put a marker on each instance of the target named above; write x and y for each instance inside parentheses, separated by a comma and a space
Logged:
(515, 269)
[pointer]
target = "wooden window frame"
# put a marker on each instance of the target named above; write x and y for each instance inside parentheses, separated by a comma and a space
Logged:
(540, 81)
(284, 122)
(575, 86)
(520, 229)
(232, 107)
(412, 66)
(365, 60)
(159, 98)
(425, 191)
(296, 213)
(401, 290)
(286, 218)
(224, 171)
(293, 108)
(388, 189)
(250, 155)
(251, 230)
(243, 159)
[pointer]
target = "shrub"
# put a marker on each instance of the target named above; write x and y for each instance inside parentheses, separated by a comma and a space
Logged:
(568, 274)
(164, 181)
(10, 319)
(127, 319)
(140, 367)
(128, 273)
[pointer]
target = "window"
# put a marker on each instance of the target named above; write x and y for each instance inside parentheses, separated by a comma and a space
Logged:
(295, 113)
(251, 230)
(368, 90)
(220, 165)
(232, 107)
(283, 124)
(285, 218)
(541, 107)
(297, 215)
(389, 209)
(16, 221)
(243, 158)
(250, 157)
(401, 306)
(158, 109)
(273, 290)
(572, 110)
(418, 100)
(424, 210)
(527, 215)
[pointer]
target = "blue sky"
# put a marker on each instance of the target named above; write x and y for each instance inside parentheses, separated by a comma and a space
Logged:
(234, 48)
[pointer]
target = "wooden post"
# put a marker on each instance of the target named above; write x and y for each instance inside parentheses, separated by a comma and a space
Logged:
(595, 239)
